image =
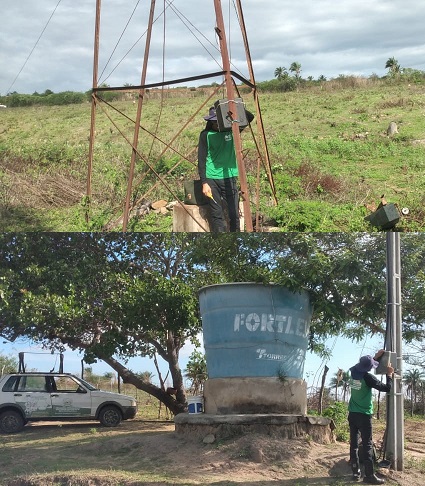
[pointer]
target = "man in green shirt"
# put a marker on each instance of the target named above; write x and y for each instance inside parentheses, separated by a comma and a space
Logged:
(360, 410)
(218, 170)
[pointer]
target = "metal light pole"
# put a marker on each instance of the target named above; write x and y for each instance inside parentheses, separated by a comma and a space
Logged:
(395, 403)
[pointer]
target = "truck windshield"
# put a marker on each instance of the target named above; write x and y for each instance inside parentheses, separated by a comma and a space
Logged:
(87, 384)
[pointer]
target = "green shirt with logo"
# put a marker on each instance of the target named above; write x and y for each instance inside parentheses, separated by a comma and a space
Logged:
(221, 158)
(361, 397)
(361, 400)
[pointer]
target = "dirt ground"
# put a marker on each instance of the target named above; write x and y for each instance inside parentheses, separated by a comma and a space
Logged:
(148, 453)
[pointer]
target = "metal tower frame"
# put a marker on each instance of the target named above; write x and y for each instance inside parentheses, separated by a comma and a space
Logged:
(229, 83)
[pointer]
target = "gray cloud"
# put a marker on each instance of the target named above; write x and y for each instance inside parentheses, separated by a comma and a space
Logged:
(326, 37)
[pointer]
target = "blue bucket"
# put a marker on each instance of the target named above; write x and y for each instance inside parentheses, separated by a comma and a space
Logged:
(195, 404)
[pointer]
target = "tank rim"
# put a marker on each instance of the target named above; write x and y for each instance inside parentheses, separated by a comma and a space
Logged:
(270, 284)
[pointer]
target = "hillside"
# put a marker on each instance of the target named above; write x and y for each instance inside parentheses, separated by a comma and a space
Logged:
(330, 155)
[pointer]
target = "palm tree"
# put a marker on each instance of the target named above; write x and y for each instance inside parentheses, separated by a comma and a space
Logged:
(412, 380)
(393, 66)
(345, 381)
(280, 72)
(296, 68)
(146, 376)
(196, 371)
(341, 377)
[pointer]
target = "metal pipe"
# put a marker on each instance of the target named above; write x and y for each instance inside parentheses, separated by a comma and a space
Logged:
(138, 118)
(174, 81)
(260, 124)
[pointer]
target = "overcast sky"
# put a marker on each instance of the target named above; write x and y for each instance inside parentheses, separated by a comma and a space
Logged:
(40, 51)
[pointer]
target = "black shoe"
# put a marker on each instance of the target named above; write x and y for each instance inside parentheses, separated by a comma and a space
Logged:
(356, 475)
(373, 480)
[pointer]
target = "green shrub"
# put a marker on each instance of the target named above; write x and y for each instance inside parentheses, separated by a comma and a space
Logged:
(338, 412)
(319, 216)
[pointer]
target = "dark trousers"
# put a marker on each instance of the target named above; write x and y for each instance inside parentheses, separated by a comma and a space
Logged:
(224, 191)
(361, 424)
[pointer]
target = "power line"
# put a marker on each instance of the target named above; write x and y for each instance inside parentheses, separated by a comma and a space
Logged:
(316, 377)
(193, 30)
(131, 48)
(118, 41)
(32, 50)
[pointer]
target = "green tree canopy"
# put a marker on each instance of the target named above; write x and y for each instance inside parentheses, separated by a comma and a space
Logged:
(344, 274)
(117, 296)
(8, 364)
(111, 297)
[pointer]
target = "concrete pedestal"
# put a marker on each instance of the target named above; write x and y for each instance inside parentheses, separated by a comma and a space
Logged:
(255, 395)
(190, 218)
(285, 426)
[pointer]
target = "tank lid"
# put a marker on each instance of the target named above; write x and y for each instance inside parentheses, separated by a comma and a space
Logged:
(271, 284)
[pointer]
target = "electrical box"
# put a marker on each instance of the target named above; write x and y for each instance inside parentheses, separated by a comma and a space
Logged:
(225, 118)
(389, 357)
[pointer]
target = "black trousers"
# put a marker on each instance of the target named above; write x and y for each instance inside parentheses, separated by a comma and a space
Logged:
(361, 424)
(224, 191)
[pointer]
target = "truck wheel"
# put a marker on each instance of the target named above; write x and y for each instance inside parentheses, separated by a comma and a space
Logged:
(110, 416)
(11, 422)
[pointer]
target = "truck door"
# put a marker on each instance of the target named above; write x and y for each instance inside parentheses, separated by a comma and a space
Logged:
(69, 399)
(33, 396)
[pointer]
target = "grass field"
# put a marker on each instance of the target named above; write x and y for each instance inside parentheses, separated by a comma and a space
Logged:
(330, 157)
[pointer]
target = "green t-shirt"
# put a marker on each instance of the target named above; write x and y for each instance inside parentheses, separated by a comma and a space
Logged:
(361, 397)
(221, 158)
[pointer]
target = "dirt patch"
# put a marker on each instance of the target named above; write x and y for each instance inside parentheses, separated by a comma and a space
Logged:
(41, 191)
(142, 453)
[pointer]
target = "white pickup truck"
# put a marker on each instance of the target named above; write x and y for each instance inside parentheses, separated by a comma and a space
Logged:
(28, 397)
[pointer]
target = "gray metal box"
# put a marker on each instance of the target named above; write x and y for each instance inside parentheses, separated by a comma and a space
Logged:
(389, 357)
(225, 118)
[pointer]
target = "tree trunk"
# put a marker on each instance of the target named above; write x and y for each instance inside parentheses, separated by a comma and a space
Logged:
(325, 372)
(176, 405)
(176, 374)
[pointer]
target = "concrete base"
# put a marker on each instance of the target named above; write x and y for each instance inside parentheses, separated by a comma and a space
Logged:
(255, 396)
(190, 218)
(198, 426)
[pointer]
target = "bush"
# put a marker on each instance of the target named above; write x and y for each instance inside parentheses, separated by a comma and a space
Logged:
(317, 216)
(338, 412)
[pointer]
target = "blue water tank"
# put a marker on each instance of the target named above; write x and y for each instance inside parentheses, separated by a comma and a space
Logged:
(254, 330)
